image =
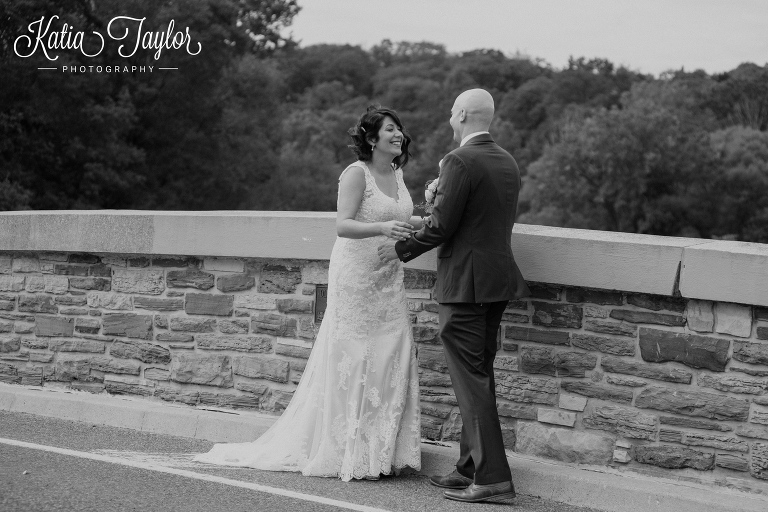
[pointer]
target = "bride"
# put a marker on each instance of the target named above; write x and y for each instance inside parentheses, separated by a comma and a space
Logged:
(355, 412)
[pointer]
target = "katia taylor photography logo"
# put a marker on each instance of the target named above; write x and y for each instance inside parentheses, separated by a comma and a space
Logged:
(49, 40)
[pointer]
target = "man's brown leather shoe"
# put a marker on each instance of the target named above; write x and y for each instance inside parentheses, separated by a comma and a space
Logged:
(475, 493)
(454, 480)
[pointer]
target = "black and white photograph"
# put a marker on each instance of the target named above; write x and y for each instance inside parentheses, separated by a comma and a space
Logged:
(425, 255)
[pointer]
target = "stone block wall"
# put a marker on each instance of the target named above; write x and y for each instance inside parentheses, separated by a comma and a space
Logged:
(233, 333)
(607, 377)
(625, 379)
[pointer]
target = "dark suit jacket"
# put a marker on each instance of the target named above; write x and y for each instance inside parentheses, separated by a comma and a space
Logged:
(472, 222)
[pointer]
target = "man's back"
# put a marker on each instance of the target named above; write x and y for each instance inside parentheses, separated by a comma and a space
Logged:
(476, 263)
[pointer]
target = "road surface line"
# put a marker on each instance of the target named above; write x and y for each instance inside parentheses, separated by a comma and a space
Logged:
(191, 474)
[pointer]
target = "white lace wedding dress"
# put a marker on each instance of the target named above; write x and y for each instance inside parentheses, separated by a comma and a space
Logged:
(355, 412)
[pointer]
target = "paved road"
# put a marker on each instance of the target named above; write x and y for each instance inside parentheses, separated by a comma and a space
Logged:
(57, 465)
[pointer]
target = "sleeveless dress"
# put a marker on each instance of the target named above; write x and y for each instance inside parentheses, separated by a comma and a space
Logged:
(355, 412)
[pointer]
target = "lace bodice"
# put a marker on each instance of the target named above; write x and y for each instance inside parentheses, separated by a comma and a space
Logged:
(376, 206)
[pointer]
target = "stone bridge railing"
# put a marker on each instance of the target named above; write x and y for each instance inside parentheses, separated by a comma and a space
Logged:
(640, 352)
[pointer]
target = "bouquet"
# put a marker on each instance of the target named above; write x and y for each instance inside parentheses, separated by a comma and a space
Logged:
(430, 191)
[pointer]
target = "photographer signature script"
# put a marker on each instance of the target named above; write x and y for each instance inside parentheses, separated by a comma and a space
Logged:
(126, 28)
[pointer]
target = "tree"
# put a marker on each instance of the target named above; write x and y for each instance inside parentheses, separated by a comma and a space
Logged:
(307, 67)
(257, 121)
(313, 155)
(742, 202)
(260, 23)
(642, 168)
(492, 70)
(143, 140)
(741, 97)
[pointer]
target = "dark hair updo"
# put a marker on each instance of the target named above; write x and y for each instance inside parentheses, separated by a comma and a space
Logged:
(367, 130)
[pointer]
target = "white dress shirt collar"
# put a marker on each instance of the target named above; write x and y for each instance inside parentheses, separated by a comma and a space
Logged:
(471, 135)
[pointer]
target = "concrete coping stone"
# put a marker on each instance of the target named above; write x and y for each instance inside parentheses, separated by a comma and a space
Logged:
(702, 269)
(726, 271)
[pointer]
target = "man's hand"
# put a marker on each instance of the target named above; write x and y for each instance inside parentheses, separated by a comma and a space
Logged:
(387, 252)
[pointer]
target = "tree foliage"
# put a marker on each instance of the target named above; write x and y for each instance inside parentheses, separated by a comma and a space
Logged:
(255, 121)
(742, 185)
(198, 138)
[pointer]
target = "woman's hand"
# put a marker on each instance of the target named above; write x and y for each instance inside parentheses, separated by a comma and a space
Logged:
(396, 230)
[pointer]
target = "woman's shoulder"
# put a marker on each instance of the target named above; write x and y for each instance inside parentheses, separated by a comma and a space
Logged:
(355, 170)
(359, 164)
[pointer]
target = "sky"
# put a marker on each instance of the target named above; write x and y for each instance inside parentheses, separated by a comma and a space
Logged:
(650, 36)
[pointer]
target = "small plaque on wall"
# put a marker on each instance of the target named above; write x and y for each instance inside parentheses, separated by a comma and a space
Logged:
(321, 302)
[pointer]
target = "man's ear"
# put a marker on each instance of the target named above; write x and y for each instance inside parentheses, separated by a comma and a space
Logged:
(462, 115)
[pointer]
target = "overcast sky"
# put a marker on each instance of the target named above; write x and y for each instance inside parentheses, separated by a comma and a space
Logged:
(646, 35)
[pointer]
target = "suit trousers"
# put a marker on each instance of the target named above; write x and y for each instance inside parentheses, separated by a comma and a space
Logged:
(469, 332)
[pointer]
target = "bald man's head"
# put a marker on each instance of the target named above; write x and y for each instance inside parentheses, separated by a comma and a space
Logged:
(472, 112)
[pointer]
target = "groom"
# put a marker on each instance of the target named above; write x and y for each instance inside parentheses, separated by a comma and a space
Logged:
(472, 223)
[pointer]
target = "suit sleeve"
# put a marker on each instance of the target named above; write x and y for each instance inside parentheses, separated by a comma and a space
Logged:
(450, 201)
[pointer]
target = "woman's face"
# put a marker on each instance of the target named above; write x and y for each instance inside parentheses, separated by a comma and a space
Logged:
(390, 138)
